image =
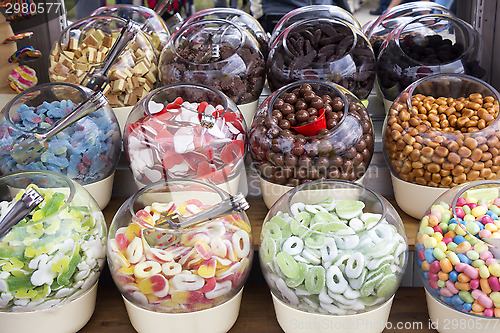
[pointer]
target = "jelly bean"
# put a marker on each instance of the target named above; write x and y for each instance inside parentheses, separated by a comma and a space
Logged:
(494, 283)
(494, 267)
(474, 284)
(451, 287)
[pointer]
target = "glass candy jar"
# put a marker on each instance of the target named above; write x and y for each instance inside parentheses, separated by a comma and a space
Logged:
(86, 151)
(82, 48)
(458, 256)
(309, 130)
(378, 30)
(184, 277)
(52, 258)
(239, 17)
(322, 49)
(220, 54)
(152, 24)
(312, 12)
(442, 131)
(429, 44)
(333, 251)
(186, 131)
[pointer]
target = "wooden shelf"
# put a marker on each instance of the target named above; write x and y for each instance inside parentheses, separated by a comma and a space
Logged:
(257, 213)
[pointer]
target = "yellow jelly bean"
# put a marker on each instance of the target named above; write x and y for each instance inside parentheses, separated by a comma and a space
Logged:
(430, 243)
(480, 247)
(479, 211)
(438, 236)
(453, 257)
(442, 246)
(484, 272)
(494, 269)
(424, 222)
(422, 238)
(491, 227)
(459, 231)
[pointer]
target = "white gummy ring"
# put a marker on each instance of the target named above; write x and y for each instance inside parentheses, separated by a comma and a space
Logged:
(355, 265)
(293, 245)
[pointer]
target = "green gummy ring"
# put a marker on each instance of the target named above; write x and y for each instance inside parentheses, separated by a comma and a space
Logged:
(315, 240)
(273, 230)
(370, 284)
(325, 217)
(279, 221)
(348, 209)
(333, 227)
(315, 279)
(298, 229)
(292, 283)
(387, 286)
(267, 250)
(303, 218)
(288, 265)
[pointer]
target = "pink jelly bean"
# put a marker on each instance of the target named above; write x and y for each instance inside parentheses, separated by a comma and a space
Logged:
(446, 240)
(472, 205)
(486, 219)
(482, 204)
(485, 301)
(471, 272)
(437, 214)
(461, 202)
(460, 267)
(494, 283)
(451, 287)
(485, 233)
(421, 254)
(474, 283)
(491, 261)
(432, 276)
(437, 229)
(476, 293)
(460, 212)
(433, 284)
(445, 292)
(489, 312)
(496, 202)
(435, 267)
(485, 255)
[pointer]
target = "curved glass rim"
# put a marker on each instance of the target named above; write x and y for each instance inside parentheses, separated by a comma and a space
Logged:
(76, 24)
(341, 91)
(39, 87)
(222, 194)
(411, 89)
(456, 21)
(292, 192)
(42, 173)
(316, 21)
(184, 29)
(464, 188)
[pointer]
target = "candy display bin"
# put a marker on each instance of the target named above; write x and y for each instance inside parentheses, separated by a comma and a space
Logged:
(427, 45)
(52, 258)
(309, 130)
(333, 251)
(462, 286)
(189, 278)
(186, 131)
(430, 146)
(335, 51)
(86, 151)
(220, 54)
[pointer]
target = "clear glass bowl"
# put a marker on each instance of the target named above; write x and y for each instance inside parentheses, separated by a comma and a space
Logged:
(379, 29)
(86, 151)
(337, 145)
(322, 49)
(82, 48)
(455, 259)
(312, 12)
(164, 140)
(333, 247)
(152, 24)
(56, 253)
(443, 131)
(217, 53)
(429, 44)
(197, 268)
(238, 17)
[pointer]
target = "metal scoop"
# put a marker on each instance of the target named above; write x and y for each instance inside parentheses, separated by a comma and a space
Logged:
(28, 201)
(495, 246)
(161, 235)
(30, 146)
(97, 79)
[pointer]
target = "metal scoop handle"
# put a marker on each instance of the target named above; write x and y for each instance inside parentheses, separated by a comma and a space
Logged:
(28, 201)
(235, 203)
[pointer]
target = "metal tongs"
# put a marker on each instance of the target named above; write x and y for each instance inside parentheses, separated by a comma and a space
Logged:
(97, 78)
(28, 201)
(30, 146)
(161, 234)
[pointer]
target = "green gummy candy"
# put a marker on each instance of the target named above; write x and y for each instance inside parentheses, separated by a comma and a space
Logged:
(325, 217)
(292, 283)
(279, 221)
(267, 250)
(333, 227)
(65, 276)
(315, 279)
(387, 286)
(273, 230)
(303, 218)
(315, 240)
(348, 209)
(485, 194)
(288, 265)
(53, 205)
(17, 283)
(370, 284)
